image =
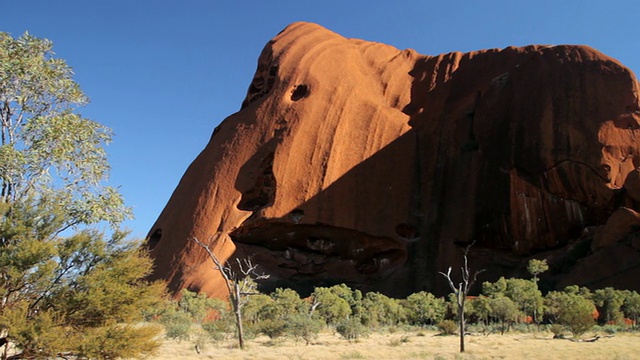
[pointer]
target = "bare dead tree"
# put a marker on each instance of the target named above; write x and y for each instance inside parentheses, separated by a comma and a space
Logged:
(240, 281)
(462, 290)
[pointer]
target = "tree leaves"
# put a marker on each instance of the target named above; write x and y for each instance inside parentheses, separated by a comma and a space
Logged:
(48, 150)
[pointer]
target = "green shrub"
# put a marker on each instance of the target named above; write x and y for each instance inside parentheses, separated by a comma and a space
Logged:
(447, 327)
(176, 323)
(351, 329)
(304, 327)
(273, 328)
(557, 330)
(217, 330)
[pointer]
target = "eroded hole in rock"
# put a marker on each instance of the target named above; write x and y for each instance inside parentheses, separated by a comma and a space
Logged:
(154, 239)
(263, 191)
(263, 80)
(296, 215)
(299, 92)
(407, 231)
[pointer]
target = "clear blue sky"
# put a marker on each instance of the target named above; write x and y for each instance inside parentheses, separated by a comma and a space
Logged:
(162, 74)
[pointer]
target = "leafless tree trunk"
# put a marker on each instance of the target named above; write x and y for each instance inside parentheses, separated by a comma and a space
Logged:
(240, 284)
(462, 290)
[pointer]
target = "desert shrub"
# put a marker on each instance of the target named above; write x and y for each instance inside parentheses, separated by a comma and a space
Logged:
(557, 330)
(217, 330)
(447, 327)
(331, 306)
(305, 327)
(381, 310)
(610, 329)
(577, 314)
(273, 328)
(505, 310)
(399, 341)
(177, 323)
(351, 329)
(423, 308)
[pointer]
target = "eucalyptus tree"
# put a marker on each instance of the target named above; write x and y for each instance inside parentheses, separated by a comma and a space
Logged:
(51, 156)
(62, 293)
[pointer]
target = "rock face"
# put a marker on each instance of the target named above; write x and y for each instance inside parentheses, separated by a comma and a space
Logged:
(352, 161)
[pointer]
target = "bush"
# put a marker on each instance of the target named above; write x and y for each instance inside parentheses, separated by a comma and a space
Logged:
(577, 314)
(273, 328)
(177, 324)
(447, 327)
(557, 330)
(217, 330)
(611, 329)
(351, 329)
(304, 327)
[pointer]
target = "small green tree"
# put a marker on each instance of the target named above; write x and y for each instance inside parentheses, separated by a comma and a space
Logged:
(276, 315)
(329, 306)
(186, 319)
(609, 302)
(424, 308)
(304, 326)
(351, 329)
(50, 156)
(631, 306)
(505, 310)
(381, 310)
(524, 293)
(537, 267)
(92, 290)
(572, 310)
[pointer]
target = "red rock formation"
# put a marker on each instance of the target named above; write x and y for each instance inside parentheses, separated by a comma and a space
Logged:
(352, 161)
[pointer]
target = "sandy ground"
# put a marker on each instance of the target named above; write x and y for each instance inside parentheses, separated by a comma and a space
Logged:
(414, 345)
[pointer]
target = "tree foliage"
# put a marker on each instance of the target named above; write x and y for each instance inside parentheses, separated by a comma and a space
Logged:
(524, 294)
(84, 287)
(537, 267)
(571, 309)
(49, 154)
(609, 302)
(329, 305)
(423, 308)
(75, 294)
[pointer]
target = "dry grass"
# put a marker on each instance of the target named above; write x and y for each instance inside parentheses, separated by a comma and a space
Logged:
(413, 345)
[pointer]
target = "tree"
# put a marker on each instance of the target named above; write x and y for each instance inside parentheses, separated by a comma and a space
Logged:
(240, 283)
(381, 310)
(571, 309)
(277, 314)
(631, 306)
(537, 267)
(524, 293)
(609, 301)
(50, 156)
(577, 314)
(74, 294)
(90, 290)
(424, 308)
(329, 306)
(505, 310)
(461, 291)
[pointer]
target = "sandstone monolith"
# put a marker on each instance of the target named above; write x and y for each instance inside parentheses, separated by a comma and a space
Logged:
(353, 161)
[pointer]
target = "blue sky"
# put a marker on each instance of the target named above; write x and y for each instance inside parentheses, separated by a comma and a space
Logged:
(162, 74)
